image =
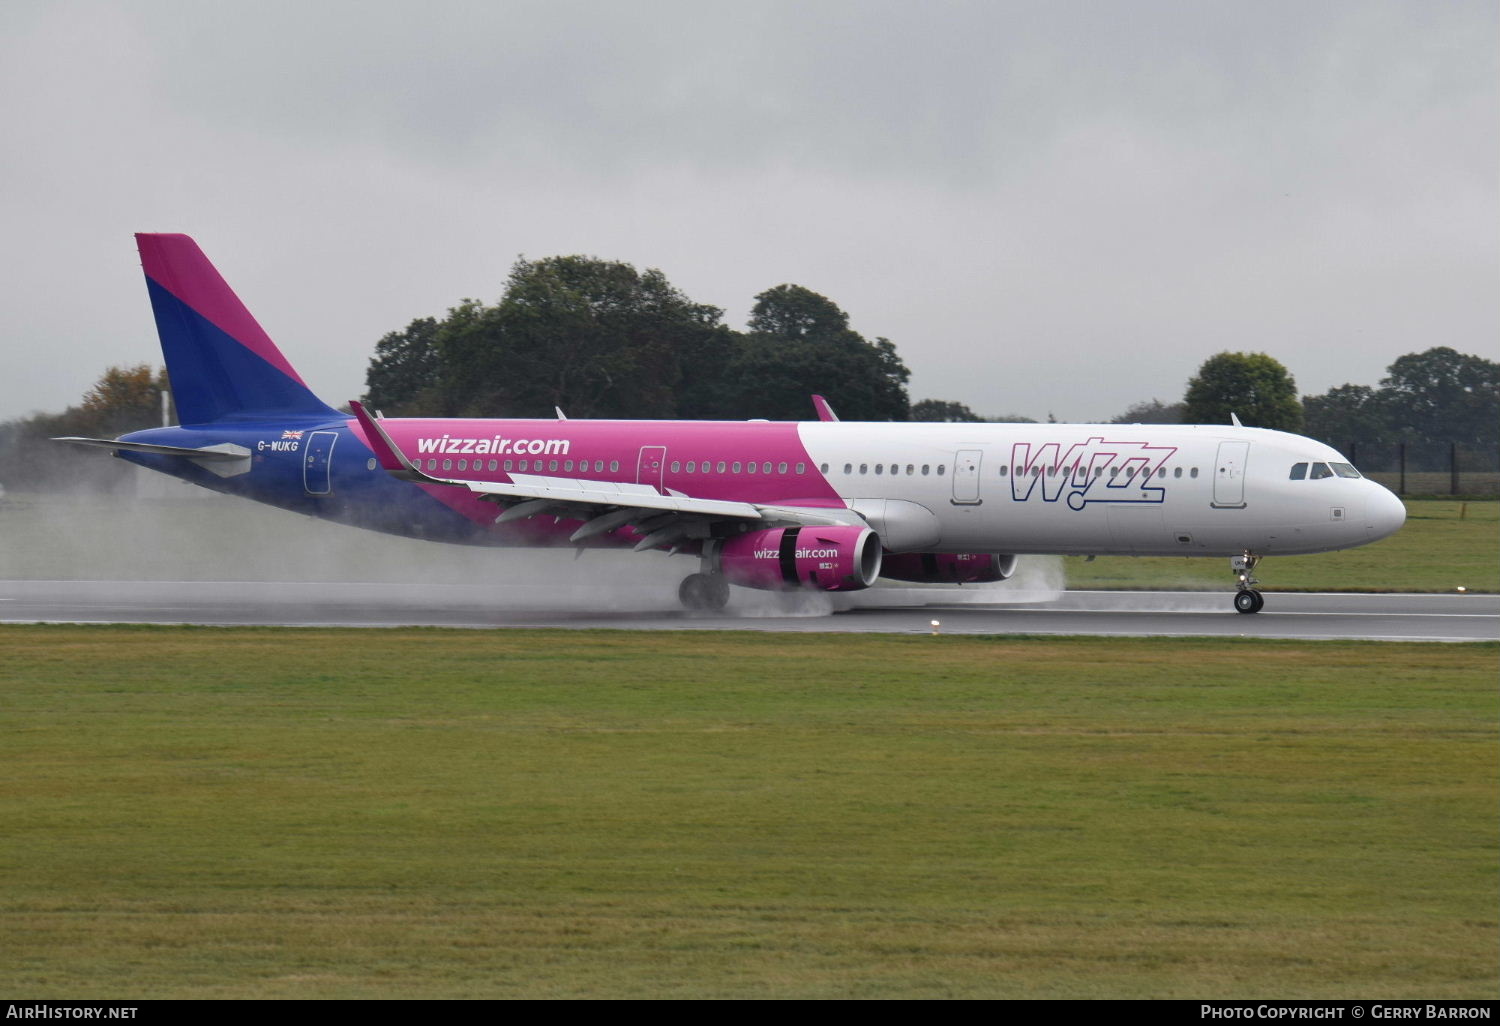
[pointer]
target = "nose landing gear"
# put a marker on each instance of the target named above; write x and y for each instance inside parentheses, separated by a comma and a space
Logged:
(1246, 599)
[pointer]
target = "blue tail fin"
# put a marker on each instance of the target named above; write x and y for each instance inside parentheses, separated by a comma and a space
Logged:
(222, 364)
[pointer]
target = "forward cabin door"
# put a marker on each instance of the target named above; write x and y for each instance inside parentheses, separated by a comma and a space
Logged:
(651, 465)
(317, 459)
(1229, 475)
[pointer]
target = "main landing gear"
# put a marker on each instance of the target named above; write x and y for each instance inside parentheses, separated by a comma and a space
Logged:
(1246, 599)
(704, 591)
(708, 589)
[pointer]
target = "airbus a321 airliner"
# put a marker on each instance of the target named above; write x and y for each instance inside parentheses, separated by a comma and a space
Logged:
(822, 505)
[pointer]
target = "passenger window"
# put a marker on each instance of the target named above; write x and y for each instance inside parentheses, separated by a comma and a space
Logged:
(447, 464)
(750, 466)
(1320, 471)
(510, 465)
(1193, 473)
(880, 468)
(494, 465)
(924, 469)
(864, 468)
(720, 466)
(822, 468)
(432, 464)
(1003, 469)
(765, 468)
(940, 470)
(910, 470)
(463, 464)
(848, 468)
(614, 466)
(1299, 472)
(676, 466)
(568, 465)
(736, 466)
(551, 465)
(801, 468)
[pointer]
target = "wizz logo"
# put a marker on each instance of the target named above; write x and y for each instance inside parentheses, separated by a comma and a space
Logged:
(1091, 471)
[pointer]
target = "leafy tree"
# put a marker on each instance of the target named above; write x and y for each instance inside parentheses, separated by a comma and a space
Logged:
(1439, 396)
(406, 370)
(124, 399)
(1442, 395)
(594, 337)
(943, 411)
(800, 343)
(1253, 386)
(1348, 413)
(794, 313)
(1152, 412)
(599, 339)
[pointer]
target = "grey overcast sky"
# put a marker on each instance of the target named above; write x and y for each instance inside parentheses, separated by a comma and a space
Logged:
(1050, 207)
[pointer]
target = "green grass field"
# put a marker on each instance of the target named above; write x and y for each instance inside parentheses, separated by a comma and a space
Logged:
(196, 812)
(1443, 545)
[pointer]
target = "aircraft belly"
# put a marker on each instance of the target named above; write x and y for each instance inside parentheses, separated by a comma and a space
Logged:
(1138, 528)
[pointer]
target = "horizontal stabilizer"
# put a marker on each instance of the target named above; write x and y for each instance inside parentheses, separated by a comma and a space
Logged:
(225, 459)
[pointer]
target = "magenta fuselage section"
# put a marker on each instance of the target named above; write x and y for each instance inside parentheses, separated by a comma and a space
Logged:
(756, 462)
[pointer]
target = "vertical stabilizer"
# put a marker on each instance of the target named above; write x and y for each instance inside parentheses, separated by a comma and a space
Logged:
(222, 364)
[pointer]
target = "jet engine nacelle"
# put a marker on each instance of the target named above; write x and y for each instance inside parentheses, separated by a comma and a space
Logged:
(825, 558)
(948, 567)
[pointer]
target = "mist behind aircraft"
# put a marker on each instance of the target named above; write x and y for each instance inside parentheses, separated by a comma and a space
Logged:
(174, 532)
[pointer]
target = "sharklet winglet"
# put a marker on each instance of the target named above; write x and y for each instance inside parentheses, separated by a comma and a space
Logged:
(392, 459)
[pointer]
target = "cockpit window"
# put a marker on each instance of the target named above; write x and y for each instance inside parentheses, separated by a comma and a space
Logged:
(1344, 470)
(1320, 471)
(1299, 471)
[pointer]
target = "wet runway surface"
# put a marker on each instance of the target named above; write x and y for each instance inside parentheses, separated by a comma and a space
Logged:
(1452, 617)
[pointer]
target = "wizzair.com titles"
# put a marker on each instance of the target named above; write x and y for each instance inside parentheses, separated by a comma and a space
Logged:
(448, 445)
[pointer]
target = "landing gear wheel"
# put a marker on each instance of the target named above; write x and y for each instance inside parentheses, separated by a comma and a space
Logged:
(1248, 601)
(704, 591)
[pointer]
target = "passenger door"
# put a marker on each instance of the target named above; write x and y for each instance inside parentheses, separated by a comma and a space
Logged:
(1229, 475)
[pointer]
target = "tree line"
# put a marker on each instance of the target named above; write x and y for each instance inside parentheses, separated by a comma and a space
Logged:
(599, 339)
(124, 399)
(1439, 396)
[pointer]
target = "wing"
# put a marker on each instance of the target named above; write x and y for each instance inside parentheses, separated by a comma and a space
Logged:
(662, 520)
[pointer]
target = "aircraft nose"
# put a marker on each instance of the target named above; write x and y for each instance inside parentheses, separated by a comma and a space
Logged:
(1384, 513)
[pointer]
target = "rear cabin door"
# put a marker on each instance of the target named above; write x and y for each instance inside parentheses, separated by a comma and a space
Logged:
(317, 459)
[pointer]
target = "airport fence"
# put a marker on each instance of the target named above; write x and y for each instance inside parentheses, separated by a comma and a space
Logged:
(1428, 468)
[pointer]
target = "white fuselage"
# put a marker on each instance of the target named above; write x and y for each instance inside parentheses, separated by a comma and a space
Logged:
(1107, 489)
